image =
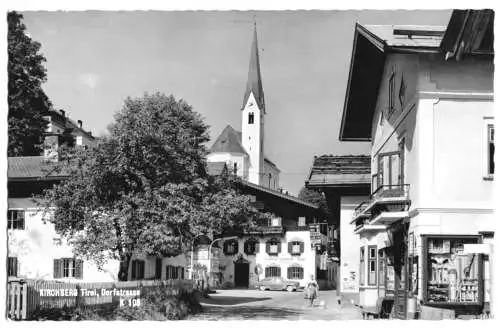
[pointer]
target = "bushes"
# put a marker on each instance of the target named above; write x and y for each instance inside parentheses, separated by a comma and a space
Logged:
(158, 305)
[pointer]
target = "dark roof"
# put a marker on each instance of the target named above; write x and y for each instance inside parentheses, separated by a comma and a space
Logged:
(370, 46)
(330, 170)
(469, 32)
(216, 168)
(31, 167)
(229, 141)
(277, 194)
(68, 123)
(254, 81)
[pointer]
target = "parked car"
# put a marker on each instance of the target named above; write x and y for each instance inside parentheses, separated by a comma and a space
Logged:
(278, 283)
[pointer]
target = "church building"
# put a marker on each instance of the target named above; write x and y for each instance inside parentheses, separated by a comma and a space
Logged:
(243, 151)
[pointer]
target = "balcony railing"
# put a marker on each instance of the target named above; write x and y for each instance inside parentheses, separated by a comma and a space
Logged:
(382, 193)
(391, 191)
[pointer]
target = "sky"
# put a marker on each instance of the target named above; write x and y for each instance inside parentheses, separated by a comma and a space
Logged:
(96, 59)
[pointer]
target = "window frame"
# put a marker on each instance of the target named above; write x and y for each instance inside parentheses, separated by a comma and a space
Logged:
(362, 266)
(272, 269)
(295, 272)
(273, 242)
(372, 262)
(488, 155)
(247, 246)
(14, 221)
(139, 266)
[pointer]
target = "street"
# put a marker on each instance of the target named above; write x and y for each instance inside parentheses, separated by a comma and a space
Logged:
(249, 304)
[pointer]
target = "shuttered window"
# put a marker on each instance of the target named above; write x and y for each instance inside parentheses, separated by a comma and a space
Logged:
(295, 247)
(273, 247)
(68, 268)
(12, 267)
(174, 272)
(137, 269)
(273, 271)
(251, 247)
(295, 272)
(231, 247)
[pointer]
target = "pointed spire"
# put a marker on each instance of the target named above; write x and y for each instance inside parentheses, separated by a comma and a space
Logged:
(254, 81)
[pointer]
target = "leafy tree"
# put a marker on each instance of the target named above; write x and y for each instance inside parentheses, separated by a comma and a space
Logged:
(317, 198)
(144, 189)
(27, 101)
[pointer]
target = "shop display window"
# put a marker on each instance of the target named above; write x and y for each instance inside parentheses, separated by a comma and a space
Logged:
(452, 276)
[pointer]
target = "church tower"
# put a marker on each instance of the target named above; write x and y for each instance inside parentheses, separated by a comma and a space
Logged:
(252, 117)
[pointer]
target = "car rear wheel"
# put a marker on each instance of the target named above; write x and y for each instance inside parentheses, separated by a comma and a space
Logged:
(262, 288)
(290, 289)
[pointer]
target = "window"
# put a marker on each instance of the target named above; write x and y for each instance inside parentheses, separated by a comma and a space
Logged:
(381, 268)
(295, 247)
(273, 247)
(273, 271)
(12, 267)
(372, 265)
(491, 149)
(452, 276)
(389, 170)
(295, 272)
(362, 266)
(68, 268)
(302, 221)
(392, 84)
(401, 174)
(15, 219)
(174, 272)
(250, 118)
(235, 168)
(137, 269)
(231, 247)
(251, 247)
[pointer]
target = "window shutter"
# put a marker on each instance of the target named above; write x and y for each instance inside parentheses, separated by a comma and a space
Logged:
(301, 273)
(302, 247)
(141, 274)
(279, 247)
(79, 269)
(290, 247)
(257, 246)
(158, 268)
(57, 269)
(268, 247)
(21, 219)
(182, 273)
(134, 268)
(279, 270)
(225, 247)
(236, 244)
(289, 275)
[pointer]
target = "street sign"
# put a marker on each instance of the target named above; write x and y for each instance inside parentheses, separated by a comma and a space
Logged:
(477, 248)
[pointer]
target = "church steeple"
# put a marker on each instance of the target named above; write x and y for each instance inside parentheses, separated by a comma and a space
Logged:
(254, 81)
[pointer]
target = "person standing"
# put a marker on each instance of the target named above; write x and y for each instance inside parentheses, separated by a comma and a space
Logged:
(311, 291)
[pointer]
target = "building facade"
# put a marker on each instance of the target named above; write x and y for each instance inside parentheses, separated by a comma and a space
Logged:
(426, 231)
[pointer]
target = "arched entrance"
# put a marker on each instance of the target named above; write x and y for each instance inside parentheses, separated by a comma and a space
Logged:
(241, 272)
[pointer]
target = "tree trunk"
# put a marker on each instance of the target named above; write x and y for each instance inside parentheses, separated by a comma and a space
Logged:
(124, 264)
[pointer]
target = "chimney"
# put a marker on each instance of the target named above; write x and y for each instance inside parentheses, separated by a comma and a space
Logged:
(80, 123)
(63, 113)
(50, 148)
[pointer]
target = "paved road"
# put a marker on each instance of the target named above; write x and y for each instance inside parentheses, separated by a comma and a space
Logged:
(246, 304)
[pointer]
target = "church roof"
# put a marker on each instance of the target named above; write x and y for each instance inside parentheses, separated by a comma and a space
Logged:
(254, 81)
(229, 141)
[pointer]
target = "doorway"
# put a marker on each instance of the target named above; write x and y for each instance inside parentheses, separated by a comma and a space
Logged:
(241, 274)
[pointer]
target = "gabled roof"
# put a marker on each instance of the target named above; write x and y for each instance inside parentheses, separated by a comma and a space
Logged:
(254, 81)
(371, 45)
(330, 170)
(30, 168)
(229, 141)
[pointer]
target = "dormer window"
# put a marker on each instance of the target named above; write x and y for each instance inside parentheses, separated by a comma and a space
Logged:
(250, 118)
